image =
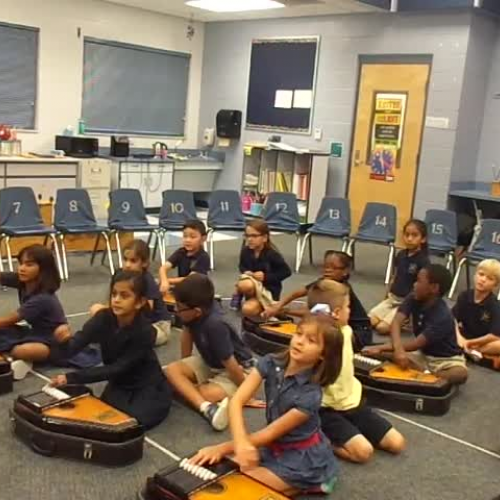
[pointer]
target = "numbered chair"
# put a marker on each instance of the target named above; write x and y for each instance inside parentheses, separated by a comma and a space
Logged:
(20, 216)
(486, 246)
(281, 212)
(74, 216)
(224, 214)
(378, 226)
(442, 234)
(333, 220)
(127, 214)
(177, 208)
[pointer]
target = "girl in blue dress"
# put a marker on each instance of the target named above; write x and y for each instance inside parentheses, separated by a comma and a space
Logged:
(291, 454)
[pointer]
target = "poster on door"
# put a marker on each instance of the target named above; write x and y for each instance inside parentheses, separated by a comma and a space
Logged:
(387, 135)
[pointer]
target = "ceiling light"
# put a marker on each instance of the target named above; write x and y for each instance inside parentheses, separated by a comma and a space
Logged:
(235, 5)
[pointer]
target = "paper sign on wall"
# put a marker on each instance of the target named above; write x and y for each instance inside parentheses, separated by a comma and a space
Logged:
(387, 135)
(302, 99)
(283, 99)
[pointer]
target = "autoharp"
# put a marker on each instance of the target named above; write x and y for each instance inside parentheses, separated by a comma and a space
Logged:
(265, 337)
(222, 481)
(76, 424)
(387, 385)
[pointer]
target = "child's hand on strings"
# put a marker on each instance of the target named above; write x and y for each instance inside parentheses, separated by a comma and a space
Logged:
(62, 334)
(209, 455)
(59, 381)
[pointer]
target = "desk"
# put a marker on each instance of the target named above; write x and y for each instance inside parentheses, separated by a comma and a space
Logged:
(485, 205)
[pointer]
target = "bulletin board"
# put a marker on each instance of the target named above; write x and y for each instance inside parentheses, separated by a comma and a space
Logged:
(282, 84)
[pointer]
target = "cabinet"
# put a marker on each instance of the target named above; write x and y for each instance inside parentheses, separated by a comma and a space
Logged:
(151, 179)
(267, 170)
(44, 177)
(94, 175)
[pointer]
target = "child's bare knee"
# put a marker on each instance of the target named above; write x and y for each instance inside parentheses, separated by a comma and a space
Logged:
(393, 442)
(246, 287)
(359, 449)
(251, 308)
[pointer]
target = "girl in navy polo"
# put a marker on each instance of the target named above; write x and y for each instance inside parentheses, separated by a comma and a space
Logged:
(136, 384)
(407, 265)
(291, 454)
(40, 311)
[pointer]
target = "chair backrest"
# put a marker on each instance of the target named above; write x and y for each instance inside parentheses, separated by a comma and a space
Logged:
(487, 244)
(378, 222)
(19, 208)
(73, 209)
(334, 217)
(281, 211)
(441, 229)
(177, 208)
(126, 207)
(224, 209)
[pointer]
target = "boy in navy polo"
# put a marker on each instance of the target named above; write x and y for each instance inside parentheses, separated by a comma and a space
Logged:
(478, 311)
(190, 258)
(435, 344)
(206, 379)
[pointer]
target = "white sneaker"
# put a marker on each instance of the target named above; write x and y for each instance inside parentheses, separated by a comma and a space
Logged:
(217, 415)
(20, 368)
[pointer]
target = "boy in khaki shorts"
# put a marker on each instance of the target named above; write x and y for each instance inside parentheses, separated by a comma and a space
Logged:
(435, 345)
(207, 378)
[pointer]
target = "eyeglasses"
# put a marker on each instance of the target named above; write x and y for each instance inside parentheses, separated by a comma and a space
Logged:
(253, 235)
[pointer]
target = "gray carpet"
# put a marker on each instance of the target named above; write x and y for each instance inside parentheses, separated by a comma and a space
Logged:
(434, 466)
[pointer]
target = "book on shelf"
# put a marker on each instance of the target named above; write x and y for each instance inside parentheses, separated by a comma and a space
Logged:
(301, 186)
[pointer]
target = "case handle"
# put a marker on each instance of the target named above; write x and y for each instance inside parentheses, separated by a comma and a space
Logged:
(46, 451)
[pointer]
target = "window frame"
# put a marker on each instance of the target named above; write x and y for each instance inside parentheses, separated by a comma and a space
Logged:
(34, 128)
(114, 43)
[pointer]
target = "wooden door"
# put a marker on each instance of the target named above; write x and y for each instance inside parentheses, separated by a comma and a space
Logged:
(387, 137)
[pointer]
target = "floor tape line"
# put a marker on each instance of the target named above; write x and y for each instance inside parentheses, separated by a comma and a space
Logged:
(442, 434)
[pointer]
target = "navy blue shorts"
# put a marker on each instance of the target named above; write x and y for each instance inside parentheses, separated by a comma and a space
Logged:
(341, 426)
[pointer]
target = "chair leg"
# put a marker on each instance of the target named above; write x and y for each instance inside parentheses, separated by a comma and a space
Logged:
(298, 247)
(449, 260)
(210, 243)
(1, 255)
(64, 257)
(58, 256)
(119, 249)
(454, 284)
(94, 251)
(9, 254)
(390, 263)
(109, 252)
(311, 260)
(161, 245)
(302, 250)
(467, 274)
(345, 245)
(150, 237)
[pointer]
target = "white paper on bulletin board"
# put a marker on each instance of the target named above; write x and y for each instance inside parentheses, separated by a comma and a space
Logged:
(302, 99)
(283, 99)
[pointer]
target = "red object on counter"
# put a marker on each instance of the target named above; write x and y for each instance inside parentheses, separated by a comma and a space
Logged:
(4, 133)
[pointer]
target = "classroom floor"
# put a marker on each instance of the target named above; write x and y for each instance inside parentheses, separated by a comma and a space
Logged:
(451, 457)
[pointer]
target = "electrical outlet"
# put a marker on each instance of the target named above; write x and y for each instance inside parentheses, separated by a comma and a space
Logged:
(318, 134)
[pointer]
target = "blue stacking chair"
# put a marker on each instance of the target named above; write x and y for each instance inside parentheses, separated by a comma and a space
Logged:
(333, 220)
(281, 212)
(177, 208)
(442, 234)
(224, 214)
(127, 214)
(20, 216)
(74, 215)
(486, 246)
(378, 226)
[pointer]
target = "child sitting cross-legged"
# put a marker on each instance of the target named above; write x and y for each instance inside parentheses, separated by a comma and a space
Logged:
(435, 345)
(477, 311)
(206, 379)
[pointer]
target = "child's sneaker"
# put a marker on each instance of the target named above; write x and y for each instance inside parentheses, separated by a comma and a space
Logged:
(216, 414)
(20, 368)
(236, 301)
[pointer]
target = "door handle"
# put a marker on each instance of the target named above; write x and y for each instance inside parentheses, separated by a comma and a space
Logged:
(357, 156)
